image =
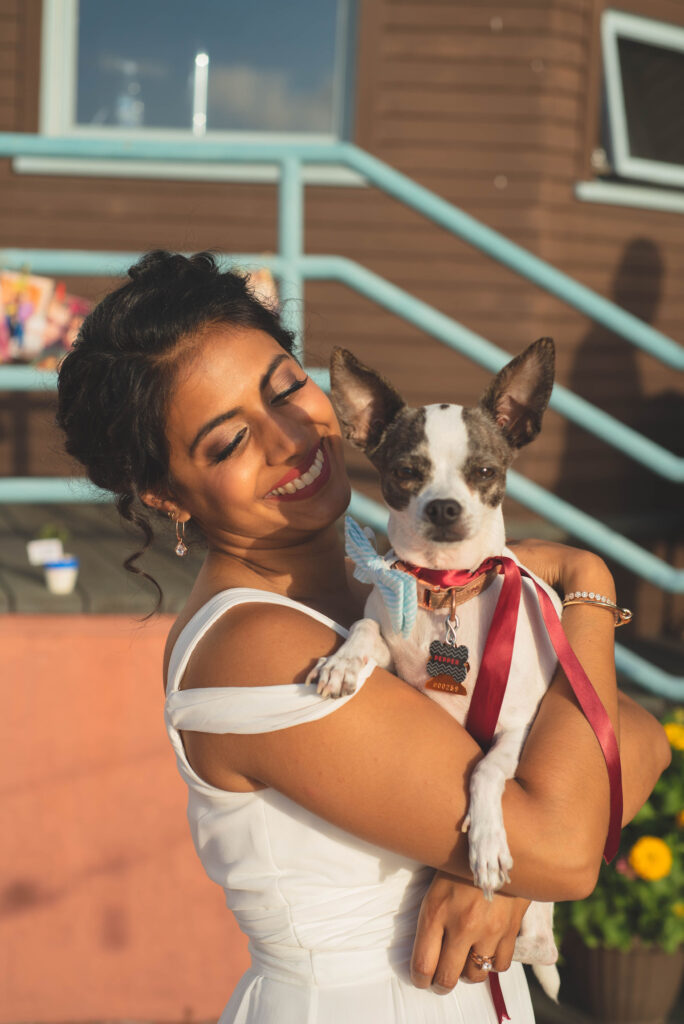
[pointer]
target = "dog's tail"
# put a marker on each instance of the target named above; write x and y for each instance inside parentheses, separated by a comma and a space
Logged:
(548, 977)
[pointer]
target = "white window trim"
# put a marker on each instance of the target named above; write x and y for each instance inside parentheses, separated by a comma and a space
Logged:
(616, 24)
(638, 196)
(57, 116)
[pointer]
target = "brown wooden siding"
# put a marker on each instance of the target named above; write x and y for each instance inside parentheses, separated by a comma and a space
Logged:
(491, 105)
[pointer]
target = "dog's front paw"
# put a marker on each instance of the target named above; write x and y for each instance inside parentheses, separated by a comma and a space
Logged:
(490, 858)
(337, 675)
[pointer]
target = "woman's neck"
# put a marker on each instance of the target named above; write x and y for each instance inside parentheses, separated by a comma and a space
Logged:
(310, 570)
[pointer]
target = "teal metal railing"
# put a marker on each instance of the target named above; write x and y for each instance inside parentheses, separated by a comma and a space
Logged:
(293, 267)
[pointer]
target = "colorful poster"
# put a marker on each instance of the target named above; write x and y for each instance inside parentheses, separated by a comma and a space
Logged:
(39, 320)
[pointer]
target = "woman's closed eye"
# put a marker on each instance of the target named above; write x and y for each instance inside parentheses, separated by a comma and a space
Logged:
(289, 389)
(229, 448)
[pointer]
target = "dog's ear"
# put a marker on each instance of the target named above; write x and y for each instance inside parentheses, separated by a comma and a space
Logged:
(364, 401)
(518, 395)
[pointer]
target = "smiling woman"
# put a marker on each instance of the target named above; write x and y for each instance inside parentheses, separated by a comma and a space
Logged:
(321, 819)
(172, 402)
(248, 431)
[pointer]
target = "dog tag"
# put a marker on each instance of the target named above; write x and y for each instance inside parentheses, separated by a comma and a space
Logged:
(448, 664)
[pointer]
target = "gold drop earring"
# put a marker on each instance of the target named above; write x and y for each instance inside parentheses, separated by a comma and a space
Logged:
(181, 548)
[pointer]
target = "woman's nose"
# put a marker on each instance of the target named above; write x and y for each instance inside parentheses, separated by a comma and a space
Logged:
(285, 438)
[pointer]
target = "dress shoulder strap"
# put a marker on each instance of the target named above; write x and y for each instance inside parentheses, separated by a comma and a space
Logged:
(243, 709)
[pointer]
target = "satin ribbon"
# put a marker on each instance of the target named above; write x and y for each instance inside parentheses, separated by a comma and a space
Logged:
(492, 679)
(498, 998)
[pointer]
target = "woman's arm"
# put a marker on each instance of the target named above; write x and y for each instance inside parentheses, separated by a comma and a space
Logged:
(561, 729)
(645, 753)
(393, 768)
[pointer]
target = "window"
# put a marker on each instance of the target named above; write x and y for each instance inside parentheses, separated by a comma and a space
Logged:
(178, 69)
(172, 68)
(644, 98)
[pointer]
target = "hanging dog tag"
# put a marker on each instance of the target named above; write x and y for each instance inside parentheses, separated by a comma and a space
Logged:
(448, 664)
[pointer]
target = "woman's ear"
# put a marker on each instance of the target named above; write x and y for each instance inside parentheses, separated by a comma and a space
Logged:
(168, 506)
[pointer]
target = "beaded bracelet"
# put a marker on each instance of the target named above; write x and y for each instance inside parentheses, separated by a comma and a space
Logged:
(622, 615)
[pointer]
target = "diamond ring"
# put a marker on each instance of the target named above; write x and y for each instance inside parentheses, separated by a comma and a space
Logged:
(485, 963)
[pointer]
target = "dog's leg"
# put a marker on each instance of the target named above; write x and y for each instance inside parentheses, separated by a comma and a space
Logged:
(337, 674)
(490, 858)
(535, 945)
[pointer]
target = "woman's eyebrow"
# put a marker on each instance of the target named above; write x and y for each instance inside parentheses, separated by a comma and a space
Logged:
(222, 417)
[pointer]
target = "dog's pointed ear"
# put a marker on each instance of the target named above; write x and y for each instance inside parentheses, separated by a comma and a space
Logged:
(518, 395)
(364, 401)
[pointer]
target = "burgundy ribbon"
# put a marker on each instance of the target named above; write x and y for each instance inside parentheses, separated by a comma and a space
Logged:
(492, 680)
(497, 998)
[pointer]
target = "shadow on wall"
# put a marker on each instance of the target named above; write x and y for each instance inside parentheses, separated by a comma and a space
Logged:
(602, 481)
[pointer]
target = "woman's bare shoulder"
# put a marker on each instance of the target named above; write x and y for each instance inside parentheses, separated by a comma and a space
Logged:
(259, 644)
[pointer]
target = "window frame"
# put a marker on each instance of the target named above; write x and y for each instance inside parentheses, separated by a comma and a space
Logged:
(57, 111)
(615, 25)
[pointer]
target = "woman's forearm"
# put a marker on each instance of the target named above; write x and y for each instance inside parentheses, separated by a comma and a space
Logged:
(644, 753)
(561, 789)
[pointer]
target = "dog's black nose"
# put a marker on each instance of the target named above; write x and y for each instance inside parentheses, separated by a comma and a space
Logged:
(443, 511)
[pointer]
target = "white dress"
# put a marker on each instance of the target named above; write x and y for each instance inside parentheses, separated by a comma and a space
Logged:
(330, 918)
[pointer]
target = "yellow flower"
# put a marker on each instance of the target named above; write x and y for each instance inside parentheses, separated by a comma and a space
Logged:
(678, 909)
(675, 734)
(651, 858)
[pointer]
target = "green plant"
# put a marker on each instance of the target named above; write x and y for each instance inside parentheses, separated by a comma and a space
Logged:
(640, 895)
(53, 531)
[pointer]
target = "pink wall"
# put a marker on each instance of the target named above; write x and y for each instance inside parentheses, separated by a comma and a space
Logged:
(105, 911)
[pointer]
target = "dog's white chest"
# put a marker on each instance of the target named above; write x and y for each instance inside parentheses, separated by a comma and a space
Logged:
(532, 662)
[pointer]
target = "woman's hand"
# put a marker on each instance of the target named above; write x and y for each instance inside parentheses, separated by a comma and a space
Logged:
(455, 918)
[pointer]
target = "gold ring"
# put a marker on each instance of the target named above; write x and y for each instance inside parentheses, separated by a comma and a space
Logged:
(485, 963)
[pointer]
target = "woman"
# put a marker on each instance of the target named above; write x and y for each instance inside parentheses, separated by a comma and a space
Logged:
(322, 820)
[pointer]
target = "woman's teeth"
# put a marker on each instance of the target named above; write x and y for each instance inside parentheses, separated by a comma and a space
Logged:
(306, 478)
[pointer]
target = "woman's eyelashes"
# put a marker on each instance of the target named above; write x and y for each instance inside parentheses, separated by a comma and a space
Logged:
(229, 449)
(296, 385)
(277, 399)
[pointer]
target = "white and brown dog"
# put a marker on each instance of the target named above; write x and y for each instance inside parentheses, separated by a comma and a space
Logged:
(443, 473)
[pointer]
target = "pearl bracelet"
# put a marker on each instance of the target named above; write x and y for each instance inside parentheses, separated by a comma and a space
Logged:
(622, 615)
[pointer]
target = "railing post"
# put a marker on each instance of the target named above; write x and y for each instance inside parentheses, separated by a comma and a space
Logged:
(290, 247)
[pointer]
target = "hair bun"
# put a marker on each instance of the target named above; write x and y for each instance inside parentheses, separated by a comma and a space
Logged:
(160, 264)
(152, 265)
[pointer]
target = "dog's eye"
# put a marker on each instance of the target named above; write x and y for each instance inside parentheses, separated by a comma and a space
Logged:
(406, 473)
(486, 472)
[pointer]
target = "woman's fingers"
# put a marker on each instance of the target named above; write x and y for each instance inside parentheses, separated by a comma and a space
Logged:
(504, 950)
(450, 966)
(497, 947)
(504, 953)
(427, 946)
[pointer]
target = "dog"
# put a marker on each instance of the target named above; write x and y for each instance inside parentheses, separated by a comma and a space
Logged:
(442, 472)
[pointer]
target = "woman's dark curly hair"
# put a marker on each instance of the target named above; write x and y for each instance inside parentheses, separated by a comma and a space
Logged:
(115, 384)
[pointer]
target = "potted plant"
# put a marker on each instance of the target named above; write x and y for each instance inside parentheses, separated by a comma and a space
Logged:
(623, 947)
